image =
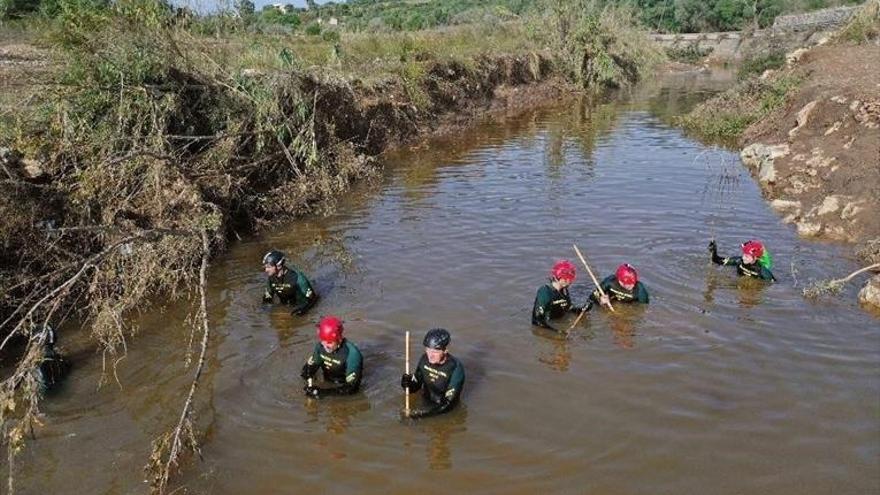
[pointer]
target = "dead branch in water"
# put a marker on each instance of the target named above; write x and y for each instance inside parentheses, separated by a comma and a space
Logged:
(183, 435)
(835, 286)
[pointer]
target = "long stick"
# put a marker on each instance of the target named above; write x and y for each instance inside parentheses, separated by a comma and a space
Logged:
(406, 397)
(598, 285)
(576, 321)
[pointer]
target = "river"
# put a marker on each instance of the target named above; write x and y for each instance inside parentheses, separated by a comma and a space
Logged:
(720, 385)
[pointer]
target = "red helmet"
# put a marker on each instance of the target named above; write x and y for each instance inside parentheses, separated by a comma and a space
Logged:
(330, 329)
(626, 274)
(564, 270)
(753, 248)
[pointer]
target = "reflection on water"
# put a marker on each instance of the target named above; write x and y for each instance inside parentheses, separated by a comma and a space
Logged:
(720, 382)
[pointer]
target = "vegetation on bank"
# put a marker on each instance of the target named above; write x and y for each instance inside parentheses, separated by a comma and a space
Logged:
(726, 116)
(151, 144)
(383, 16)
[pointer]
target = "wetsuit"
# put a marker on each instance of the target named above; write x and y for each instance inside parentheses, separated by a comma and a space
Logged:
(53, 368)
(343, 368)
(551, 303)
(441, 385)
(616, 292)
(755, 270)
(291, 288)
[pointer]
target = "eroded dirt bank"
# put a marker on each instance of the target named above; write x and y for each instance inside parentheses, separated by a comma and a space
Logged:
(817, 158)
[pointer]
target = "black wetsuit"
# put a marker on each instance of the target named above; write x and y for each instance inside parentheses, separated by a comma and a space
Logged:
(54, 367)
(617, 293)
(441, 385)
(551, 303)
(291, 288)
(342, 368)
(754, 270)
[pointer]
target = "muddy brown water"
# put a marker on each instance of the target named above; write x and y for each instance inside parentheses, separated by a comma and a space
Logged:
(718, 386)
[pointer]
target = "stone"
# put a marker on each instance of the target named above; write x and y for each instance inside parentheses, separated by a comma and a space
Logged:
(802, 117)
(833, 128)
(870, 293)
(795, 56)
(837, 233)
(782, 205)
(761, 157)
(855, 105)
(808, 229)
(32, 169)
(851, 210)
(839, 99)
(766, 74)
(819, 160)
(830, 205)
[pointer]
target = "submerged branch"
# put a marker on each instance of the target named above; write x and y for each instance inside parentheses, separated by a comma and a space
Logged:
(184, 425)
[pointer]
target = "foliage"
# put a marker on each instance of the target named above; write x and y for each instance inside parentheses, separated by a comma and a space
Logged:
(758, 64)
(864, 26)
(599, 47)
(726, 116)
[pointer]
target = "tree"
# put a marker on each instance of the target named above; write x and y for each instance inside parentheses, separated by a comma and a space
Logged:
(245, 8)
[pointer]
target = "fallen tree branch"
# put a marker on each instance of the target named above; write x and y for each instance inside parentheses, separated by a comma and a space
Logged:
(835, 286)
(184, 424)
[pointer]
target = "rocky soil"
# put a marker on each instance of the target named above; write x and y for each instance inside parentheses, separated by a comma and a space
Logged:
(818, 157)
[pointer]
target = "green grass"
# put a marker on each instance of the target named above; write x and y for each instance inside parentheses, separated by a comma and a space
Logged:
(758, 64)
(725, 117)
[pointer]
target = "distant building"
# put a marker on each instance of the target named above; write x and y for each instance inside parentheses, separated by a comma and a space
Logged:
(333, 21)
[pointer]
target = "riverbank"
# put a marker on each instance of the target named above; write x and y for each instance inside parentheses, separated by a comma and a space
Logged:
(809, 135)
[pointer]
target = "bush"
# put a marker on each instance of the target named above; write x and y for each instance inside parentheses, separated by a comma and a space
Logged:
(760, 63)
(313, 29)
(726, 116)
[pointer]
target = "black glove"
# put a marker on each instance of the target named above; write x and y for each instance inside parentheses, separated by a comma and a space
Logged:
(308, 371)
(312, 391)
(586, 307)
(713, 248)
(406, 381)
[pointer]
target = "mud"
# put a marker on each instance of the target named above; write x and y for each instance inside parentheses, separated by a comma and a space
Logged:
(826, 176)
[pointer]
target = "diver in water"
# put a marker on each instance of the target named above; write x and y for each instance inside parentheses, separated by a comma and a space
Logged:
(438, 374)
(53, 367)
(623, 286)
(755, 261)
(339, 360)
(290, 285)
(553, 300)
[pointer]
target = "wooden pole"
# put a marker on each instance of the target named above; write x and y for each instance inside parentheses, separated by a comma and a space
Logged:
(598, 286)
(406, 397)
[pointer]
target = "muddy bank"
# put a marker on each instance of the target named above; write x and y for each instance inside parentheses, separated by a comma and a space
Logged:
(818, 157)
(810, 134)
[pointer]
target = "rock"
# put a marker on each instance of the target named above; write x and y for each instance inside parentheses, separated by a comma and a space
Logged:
(803, 116)
(808, 229)
(766, 74)
(830, 205)
(870, 293)
(795, 56)
(252, 73)
(849, 143)
(851, 210)
(791, 208)
(837, 233)
(761, 157)
(839, 99)
(33, 170)
(855, 105)
(833, 128)
(9, 157)
(819, 160)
